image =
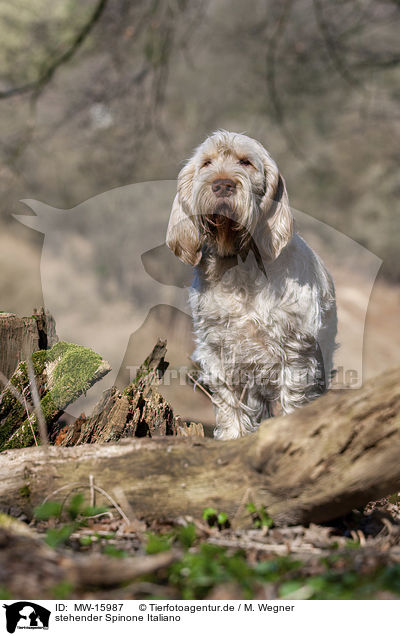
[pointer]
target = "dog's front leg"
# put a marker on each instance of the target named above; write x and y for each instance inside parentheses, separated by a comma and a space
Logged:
(239, 415)
(302, 376)
(233, 418)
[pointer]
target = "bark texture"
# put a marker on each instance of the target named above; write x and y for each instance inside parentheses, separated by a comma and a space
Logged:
(314, 465)
(137, 411)
(20, 337)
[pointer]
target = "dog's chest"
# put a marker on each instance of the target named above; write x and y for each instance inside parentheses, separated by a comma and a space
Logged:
(249, 316)
(235, 313)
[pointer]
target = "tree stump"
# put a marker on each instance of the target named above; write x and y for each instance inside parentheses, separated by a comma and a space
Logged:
(20, 337)
(137, 411)
(61, 375)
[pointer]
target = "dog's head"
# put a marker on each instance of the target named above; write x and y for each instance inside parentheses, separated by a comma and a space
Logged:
(230, 193)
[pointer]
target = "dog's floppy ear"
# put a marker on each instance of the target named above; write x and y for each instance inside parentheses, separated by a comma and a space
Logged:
(183, 237)
(275, 227)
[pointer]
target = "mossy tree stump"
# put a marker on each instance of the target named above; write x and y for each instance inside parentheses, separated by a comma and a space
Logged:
(62, 374)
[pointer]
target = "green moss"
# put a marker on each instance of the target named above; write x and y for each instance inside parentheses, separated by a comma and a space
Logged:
(57, 350)
(20, 381)
(128, 390)
(12, 421)
(73, 374)
(63, 373)
(49, 409)
(39, 359)
(25, 491)
(22, 437)
(15, 526)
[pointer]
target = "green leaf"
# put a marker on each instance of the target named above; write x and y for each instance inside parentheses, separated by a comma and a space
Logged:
(251, 508)
(58, 536)
(86, 540)
(112, 551)
(208, 513)
(260, 516)
(289, 587)
(48, 510)
(75, 505)
(91, 511)
(222, 518)
(187, 535)
(157, 543)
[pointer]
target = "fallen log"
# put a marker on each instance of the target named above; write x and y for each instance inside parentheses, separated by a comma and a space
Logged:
(333, 455)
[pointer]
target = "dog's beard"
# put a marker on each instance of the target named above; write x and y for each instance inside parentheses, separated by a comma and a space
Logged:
(227, 222)
(224, 231)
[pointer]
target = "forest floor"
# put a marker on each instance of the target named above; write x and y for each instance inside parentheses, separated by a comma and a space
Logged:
(76, 551)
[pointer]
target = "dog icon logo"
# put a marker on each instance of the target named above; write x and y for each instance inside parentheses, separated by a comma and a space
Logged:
(26, 615)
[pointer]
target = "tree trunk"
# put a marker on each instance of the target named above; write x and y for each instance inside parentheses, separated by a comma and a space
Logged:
(316, 464)
(20, 337)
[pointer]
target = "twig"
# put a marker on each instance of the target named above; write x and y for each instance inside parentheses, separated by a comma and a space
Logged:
(242, 502)
(7, 384)
(92, 491)
(196, 364)
(114, 503)
(29, 416)
(75, 485)
(101, 514)
(243, 391)
(72, 486)
(200, 387)
(38, 85)
(263, 547)
(213, 400)
(271, 79)
(38, 407)
(332, 50)
(122, 498)
(20, 397)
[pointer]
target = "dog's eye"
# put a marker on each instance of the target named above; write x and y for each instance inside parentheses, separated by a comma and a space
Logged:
(206, 163)
(245, 162)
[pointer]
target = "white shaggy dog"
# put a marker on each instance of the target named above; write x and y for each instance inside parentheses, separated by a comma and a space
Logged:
(263, 303)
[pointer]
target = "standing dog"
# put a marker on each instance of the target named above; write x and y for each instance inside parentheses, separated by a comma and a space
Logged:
(263, 304)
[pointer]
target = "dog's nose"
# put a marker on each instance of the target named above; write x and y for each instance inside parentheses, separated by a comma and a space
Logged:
(223, 187)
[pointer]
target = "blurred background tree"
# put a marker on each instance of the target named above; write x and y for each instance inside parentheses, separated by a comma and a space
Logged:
(97, 94)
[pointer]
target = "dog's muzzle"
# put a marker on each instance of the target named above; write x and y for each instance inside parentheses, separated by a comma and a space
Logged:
(223, 188)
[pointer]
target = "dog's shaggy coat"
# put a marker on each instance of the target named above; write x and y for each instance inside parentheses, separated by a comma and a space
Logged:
(263, 303)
